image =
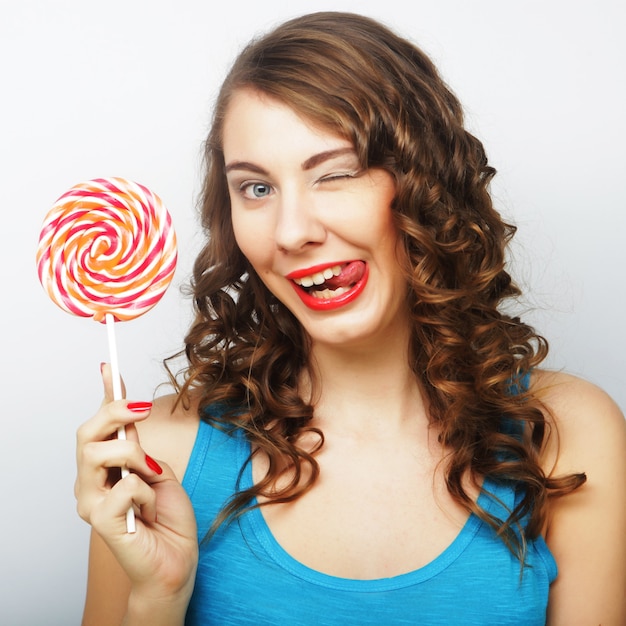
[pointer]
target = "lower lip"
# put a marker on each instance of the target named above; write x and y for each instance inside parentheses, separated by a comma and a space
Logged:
(321, 304)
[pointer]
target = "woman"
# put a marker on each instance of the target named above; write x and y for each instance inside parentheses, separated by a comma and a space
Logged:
(362, 435)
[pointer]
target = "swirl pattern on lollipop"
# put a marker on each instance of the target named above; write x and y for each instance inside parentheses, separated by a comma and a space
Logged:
(107, 246)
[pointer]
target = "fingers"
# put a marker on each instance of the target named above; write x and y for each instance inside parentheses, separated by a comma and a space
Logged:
(94, 484)
(97, 458)
(112, 416)
(99, 450)
(107, 512)
(107, 381)
(108, 515)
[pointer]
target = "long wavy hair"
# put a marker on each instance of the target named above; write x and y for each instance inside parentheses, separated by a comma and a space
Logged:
(246, 352)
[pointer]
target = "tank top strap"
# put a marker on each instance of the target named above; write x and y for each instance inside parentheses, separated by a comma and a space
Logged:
(213, 471)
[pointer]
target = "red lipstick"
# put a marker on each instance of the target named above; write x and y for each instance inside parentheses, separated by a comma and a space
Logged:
(352, 269)
(309, 271)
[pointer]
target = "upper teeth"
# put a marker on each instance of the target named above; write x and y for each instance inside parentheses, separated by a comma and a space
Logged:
(319, 277)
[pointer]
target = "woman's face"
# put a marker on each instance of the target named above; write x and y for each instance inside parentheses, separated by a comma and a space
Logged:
(316, 228)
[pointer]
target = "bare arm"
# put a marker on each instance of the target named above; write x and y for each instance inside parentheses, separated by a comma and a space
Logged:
(586, 530)
(145, 577)
(108, 586)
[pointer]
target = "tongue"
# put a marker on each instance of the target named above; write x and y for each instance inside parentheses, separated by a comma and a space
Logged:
(350, 274)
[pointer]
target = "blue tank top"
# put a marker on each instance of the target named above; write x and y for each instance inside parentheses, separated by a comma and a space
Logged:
(245, 577)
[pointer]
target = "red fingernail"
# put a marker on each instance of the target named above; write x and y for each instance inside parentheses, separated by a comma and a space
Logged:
(153, 465)
(139, 407)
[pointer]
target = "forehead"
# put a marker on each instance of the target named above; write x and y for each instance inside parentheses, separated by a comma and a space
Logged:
(257, 123)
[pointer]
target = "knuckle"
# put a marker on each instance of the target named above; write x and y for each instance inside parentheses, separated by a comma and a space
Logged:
(81, 432)
(86, 452)
(84, 511)
(132, 482)
(96, 519)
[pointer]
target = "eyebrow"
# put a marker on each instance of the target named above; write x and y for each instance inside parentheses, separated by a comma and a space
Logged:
(316, 159)
(308, 164)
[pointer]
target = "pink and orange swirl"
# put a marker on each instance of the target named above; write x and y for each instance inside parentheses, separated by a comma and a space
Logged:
(107, 246)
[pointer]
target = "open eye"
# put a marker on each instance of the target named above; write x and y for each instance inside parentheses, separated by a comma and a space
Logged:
(255, 190)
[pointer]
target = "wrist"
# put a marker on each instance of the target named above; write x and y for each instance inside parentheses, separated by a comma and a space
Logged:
(156, 611)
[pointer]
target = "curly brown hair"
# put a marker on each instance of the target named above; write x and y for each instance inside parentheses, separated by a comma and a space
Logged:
(245, 350)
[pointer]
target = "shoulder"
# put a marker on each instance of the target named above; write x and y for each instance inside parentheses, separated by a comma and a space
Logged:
(585, 528)
(169, 433)
(587, 427)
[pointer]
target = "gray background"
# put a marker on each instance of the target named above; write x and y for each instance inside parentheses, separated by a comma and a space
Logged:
(125, 88)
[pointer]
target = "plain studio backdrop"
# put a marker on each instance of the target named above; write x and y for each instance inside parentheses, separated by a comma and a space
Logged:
(125, 88)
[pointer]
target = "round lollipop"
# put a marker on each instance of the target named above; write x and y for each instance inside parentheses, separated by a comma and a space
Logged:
(107, 246)
(107, 251)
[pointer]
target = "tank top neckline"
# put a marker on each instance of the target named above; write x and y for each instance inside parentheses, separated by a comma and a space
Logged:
(255, 522)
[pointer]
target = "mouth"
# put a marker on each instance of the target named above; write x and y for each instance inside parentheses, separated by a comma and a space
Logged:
(327, 287)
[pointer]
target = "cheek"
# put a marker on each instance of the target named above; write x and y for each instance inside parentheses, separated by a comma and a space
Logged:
(242, 231)
(381, 228)
(252, 242)
(390, 242)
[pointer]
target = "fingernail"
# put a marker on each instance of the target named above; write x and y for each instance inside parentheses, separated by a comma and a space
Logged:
(153, 465)
(139, 407)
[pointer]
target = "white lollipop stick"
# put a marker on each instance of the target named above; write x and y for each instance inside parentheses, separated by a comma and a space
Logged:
(117, 395)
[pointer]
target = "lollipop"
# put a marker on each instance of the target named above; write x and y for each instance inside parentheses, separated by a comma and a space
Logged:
(107, 251)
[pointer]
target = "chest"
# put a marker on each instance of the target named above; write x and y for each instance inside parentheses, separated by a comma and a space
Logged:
(246, 576)
(374, 512)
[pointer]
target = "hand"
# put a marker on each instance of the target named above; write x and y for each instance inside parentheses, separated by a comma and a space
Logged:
(160, 558)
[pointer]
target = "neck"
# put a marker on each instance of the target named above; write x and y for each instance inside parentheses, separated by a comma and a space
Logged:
(365, 390)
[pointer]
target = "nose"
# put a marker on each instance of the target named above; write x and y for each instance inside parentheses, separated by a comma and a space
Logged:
(298, 226)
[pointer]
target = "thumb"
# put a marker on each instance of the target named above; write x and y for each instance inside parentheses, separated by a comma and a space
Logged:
(108, 383)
